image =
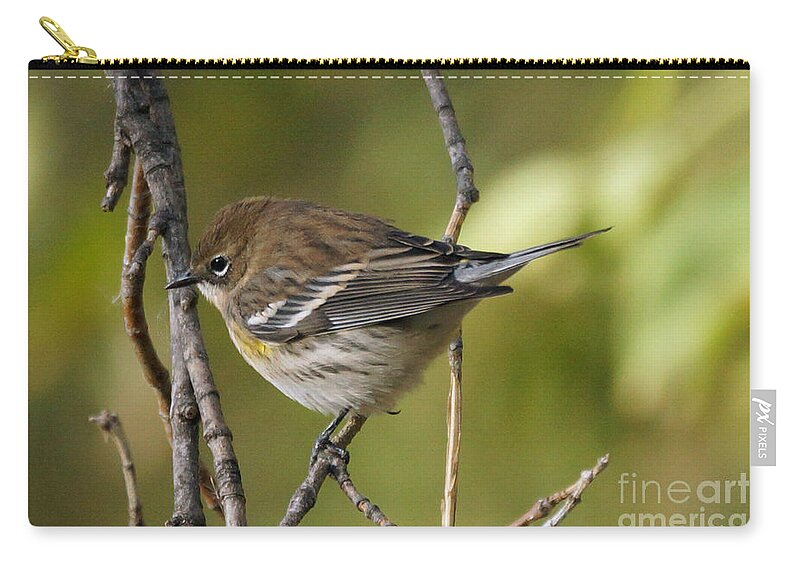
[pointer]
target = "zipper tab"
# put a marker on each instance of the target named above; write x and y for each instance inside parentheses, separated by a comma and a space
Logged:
(72, 52)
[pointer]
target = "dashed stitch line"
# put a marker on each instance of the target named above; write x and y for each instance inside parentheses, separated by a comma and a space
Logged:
(385, 77)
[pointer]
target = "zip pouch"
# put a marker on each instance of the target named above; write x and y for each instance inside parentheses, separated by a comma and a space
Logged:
(372, 267)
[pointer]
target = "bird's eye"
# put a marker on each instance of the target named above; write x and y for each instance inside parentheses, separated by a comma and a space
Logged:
(219, 265)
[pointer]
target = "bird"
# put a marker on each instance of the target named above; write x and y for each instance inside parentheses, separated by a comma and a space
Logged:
(341, 311)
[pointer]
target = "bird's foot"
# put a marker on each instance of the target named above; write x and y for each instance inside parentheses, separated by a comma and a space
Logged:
(323, 441)
(326, 444)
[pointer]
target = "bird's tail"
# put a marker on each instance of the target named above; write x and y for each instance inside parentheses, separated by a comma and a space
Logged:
(492, 272)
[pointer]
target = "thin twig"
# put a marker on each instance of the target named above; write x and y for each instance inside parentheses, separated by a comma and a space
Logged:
(142, 233)
(338, 469)
(453, 452)
(144, 123)
(305, 496)
(139, 242)
(466, 195)
(111, 427)
(578, 488)
(571, 496)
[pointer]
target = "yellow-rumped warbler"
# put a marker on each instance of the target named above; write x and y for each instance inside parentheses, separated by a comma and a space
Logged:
(341, 311)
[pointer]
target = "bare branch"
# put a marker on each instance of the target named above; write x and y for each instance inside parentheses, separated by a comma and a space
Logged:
(184, 417)
(305, 496)
(111, 427)
(140, 241)
(140, 238)
(338, 469)
(466, 195)
(144, 121)
(453, 453)
(346, 435)
(577, 490)
(571, 496)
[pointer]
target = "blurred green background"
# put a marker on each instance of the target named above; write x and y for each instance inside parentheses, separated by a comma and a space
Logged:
(636, 344)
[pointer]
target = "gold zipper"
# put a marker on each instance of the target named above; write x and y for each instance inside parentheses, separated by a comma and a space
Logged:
(74, 54)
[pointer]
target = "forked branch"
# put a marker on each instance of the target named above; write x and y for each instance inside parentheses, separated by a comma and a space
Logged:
(570, 496)
(142, 233)
(305, 497)
(144, 125)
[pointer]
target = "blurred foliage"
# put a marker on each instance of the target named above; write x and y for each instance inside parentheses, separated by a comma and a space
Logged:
(636, 344)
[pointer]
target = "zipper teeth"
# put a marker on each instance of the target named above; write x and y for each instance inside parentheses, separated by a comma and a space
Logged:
(440, 63)
(421, 63)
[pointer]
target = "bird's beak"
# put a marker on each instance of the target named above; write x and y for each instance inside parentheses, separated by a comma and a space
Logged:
(183, 281)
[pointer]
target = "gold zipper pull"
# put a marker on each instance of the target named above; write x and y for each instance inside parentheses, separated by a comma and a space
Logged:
(72, 52)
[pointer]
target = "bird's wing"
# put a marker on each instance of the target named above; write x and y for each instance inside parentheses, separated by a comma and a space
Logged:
(409, 276)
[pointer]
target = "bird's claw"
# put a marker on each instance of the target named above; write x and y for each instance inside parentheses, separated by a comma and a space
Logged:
(325, 444)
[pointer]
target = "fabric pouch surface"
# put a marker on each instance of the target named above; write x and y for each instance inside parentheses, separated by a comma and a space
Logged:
(634, 345)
